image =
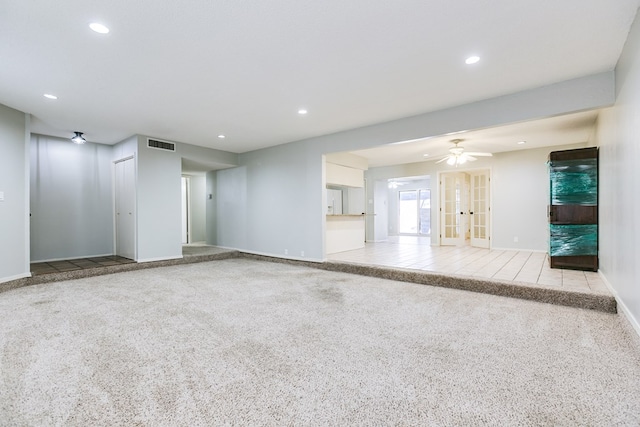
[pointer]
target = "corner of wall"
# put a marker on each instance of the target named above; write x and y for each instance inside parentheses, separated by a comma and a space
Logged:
(14, 204)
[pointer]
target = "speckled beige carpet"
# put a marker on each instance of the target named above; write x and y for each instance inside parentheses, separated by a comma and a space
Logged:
(241, 342)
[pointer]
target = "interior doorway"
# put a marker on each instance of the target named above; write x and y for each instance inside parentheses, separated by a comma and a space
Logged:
(409, 209)
(465, 208)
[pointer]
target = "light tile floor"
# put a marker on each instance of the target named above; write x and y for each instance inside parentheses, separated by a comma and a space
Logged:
(518, 267)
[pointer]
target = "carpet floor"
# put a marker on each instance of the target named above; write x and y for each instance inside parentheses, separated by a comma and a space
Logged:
(243, 342)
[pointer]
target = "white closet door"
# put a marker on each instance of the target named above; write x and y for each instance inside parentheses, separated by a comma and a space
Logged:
(125, 208)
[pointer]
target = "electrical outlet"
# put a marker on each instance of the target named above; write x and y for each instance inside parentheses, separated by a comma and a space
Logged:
(302, 253)
(286, 251)
(515, 239)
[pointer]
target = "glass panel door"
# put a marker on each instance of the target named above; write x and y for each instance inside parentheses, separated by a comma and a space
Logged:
(451, 220)
(414, 212)
(408, 212)
(479, 212)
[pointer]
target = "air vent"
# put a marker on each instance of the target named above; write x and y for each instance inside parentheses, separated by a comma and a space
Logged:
(161, 145)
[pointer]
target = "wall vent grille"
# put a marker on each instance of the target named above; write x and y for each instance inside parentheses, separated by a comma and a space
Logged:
(161, 145)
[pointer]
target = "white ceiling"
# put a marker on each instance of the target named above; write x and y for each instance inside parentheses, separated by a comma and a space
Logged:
(190, 70)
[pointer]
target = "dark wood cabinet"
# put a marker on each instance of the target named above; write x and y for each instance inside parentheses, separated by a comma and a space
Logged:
(573, 209)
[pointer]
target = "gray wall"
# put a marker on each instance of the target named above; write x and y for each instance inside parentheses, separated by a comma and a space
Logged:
(14, 209)
(71, 199)
(211, 208)
(159, 216)
(274, 200)
(198, 208)
(377, 219)
(231, 208)
(159, 194)
(208, 158)
(619, 201)
(126, 148)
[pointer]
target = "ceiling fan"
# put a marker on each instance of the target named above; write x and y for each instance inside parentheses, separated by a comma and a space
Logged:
(457, 155)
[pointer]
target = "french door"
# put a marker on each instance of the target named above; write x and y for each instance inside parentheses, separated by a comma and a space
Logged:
(453, 204)
(479, 210)
(464, 208)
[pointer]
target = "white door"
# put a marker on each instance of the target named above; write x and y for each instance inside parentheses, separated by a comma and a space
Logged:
(125, 207)
(479, 209)
(453, 224)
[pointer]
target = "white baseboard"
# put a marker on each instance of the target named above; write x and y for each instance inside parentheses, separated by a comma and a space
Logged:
(621, 305)
(159, 259)
(16, 277)
(539, 251)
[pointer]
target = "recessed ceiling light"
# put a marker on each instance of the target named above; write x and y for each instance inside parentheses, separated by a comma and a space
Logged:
(98, 28)
(48, 95)
(221, 136)
(425, 155)
(522, 142)
(302, 111)
(472, 60)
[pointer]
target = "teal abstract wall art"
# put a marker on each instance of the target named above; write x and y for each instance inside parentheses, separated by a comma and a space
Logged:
(573, 209)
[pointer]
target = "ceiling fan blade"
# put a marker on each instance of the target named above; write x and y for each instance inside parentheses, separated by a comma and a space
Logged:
(470, 158)
(479, 154)
(443, 159)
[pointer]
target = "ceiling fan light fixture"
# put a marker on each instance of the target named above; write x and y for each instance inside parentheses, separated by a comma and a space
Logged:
(457, 155)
